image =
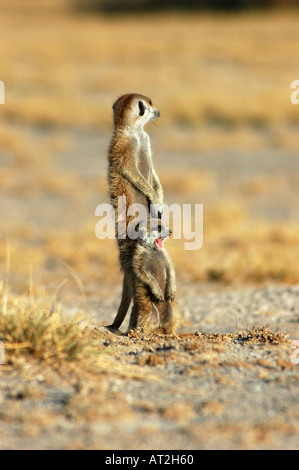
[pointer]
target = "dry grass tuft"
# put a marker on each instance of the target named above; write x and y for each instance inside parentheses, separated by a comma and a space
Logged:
(29, 327)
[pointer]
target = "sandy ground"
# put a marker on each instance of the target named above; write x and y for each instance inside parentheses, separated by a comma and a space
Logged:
(223, 382)
(199, 390)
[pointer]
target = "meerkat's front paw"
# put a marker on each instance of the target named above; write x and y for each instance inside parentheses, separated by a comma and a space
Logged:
(160, 200)
(156, 210)
(170, 290)
(158, 295)
(160, 208)
(170, 295)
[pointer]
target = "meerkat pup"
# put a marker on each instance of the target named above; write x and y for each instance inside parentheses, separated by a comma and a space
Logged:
(154, 308)
(131, 175)
(152, 279)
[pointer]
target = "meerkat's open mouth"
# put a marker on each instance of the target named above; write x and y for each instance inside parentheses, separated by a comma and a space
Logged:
(159, 243)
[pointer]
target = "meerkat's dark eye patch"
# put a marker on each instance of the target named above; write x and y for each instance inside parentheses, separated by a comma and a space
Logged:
(141, 108)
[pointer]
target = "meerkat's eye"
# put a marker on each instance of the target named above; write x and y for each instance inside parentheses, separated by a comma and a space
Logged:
(141, 108)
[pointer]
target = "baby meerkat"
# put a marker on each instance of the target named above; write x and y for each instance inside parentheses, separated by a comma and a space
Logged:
(152, 278)
(131, 175)
(154, 308)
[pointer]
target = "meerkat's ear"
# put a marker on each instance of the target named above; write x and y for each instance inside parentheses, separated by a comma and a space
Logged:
(141, 108)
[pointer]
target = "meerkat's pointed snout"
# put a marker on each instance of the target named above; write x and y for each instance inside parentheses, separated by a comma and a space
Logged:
(157, 113)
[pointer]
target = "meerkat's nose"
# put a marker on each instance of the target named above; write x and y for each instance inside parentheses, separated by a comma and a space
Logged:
(157, 113)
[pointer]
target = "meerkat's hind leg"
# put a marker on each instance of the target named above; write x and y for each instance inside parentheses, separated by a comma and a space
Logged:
(133, 319)
(155, 317)
(170, 318)
(149, 319)
(144, 315)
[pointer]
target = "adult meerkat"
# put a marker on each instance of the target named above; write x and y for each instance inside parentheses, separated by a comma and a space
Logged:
(152, 280)
(130, 171)
(131, 174)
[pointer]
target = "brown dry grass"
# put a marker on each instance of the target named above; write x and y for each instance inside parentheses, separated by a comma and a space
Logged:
(234, 251)
(221, 80)
(29, 326)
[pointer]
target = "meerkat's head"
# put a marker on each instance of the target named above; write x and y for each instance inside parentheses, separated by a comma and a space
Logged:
(133, 111)
(152, 235)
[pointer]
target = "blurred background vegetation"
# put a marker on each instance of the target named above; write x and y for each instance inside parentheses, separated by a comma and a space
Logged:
(227, 136)
(156, 5)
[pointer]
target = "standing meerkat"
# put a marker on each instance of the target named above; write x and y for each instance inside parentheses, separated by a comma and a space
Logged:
(153, 281)
(131, 174)
(130, 171)
(154, 308)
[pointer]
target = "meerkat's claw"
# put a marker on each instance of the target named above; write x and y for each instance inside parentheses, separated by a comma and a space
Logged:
(170, 294)
(170, 297)
(156, 210)
(158, 297)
